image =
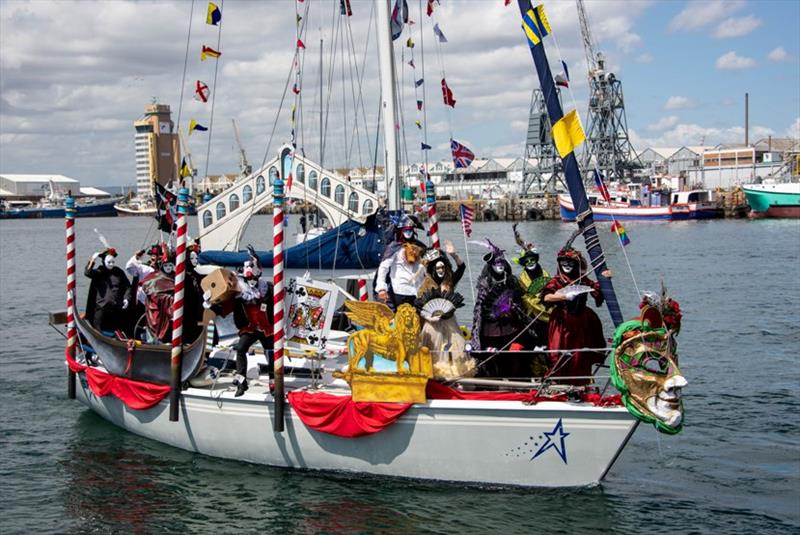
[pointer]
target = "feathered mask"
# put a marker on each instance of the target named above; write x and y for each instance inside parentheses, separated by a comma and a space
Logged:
(494, 251)
(528, 253)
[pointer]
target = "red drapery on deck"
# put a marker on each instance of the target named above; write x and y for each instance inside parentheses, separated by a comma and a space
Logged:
(136, 395)
(341, 416)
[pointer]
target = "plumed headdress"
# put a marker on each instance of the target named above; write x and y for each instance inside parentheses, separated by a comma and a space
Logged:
(528, 251)
(568, 252)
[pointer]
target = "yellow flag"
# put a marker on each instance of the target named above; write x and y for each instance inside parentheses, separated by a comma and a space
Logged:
(568, 133)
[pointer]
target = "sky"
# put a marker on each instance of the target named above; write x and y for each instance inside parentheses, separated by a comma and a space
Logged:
(74, 76)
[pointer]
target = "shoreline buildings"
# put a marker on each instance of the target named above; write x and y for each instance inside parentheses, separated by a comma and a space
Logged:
(157, 149)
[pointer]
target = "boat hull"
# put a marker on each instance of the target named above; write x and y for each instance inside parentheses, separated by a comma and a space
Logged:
(674, 212)
(485, 442)
(773, 200)
(123, 210)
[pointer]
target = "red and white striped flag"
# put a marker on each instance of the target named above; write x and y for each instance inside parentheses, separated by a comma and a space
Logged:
(467, 214)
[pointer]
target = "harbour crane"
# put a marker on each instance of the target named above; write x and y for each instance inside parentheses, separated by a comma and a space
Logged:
(244, 166)
(607, 132)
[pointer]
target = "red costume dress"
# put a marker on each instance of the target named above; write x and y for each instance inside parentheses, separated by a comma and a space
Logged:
(574, 325)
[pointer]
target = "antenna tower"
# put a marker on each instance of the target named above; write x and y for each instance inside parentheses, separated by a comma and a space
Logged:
(544, 174)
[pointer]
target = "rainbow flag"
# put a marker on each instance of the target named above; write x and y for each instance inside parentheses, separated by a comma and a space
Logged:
(617, 227)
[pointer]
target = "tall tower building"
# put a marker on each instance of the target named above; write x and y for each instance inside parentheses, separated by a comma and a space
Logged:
(157, 149)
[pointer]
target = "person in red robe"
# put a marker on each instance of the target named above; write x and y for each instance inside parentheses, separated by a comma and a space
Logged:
(159, 290)
(573, 324)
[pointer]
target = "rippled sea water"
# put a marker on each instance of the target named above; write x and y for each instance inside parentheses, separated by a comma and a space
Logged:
(734, 468)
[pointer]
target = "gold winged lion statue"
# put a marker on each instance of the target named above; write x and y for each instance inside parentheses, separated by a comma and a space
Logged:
(393, 336)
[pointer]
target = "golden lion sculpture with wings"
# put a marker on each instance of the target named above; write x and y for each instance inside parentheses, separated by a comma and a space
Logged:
(393, 336)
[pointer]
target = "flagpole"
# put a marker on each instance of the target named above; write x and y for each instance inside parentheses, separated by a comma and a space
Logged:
(176, 357)
(277, 302)
(466, 255)
(72, 333)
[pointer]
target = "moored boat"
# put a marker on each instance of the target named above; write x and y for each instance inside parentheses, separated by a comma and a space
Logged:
(87, 208)
(681, 205)
(773, 200)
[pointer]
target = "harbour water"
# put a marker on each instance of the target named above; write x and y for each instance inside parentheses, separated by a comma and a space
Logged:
(734, 468)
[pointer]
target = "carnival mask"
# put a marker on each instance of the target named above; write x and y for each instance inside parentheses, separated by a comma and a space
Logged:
(252, 282)
(567, 266)
(412, 253)
(193, 259)
(645, 371)
(109, 261)
(440, 270)
(168, 268)
(408, 234)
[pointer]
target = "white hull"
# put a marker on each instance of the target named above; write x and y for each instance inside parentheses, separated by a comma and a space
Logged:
(487, 442)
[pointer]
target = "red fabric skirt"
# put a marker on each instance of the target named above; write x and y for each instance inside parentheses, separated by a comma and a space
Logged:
(572, 331)
(136, 395)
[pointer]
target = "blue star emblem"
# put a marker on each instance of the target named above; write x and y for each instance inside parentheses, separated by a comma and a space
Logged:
(555, 440)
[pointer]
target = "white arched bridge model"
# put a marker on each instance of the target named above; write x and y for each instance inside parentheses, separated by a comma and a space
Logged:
(223, 219)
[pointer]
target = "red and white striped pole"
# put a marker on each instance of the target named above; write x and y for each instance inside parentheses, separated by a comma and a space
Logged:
(362, 290)
(72, 332)
(278, 300)
(433, 221)
(177, 306)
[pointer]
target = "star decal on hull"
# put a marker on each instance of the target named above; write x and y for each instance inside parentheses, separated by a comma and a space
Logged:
(554, 440)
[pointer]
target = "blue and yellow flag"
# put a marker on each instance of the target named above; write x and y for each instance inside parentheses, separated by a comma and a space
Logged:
(536, 25)
(194, 125)
(568, 134)
(214, 14)
(185, 170)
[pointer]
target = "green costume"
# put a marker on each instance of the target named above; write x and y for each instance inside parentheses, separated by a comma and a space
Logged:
(531, 298)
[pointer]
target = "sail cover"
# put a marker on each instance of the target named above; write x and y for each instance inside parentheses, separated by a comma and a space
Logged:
(351, 245)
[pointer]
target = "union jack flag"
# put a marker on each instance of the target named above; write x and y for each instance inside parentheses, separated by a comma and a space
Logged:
(467, 214)
(462, 156)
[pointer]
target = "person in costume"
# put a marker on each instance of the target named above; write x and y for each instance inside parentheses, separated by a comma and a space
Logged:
(401, 271)
(138, 270)
(109, 293)
(437, 303)
(253, 317)
(532, 279)
(193, 296)
(159, 289)
(499, 321)
(572, 323)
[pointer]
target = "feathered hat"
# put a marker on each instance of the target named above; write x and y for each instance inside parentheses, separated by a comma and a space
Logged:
(528, 251)
(568, 252)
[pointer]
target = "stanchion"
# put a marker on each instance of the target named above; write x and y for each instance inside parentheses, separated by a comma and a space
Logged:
(177, 307)
(362, 290)
(277, 303)
(433, 229)
(72, 332)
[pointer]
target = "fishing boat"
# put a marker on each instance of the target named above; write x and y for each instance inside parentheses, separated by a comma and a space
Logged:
(47, 210)
(325, 411)
(136, 207)
(624, 206)
(773, 200)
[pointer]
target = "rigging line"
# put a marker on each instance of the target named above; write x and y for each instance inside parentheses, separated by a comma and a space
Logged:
(360, 76)
(185, 62)
(355, 80)
(424, 96)
(214, 96)
(596, 170)
(344, 94)
(448, 109)
(331, 68)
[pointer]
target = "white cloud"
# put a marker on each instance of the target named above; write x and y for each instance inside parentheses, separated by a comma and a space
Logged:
(663, 123)
(794, 129)
(698, 14)
(736, 26)
(732, 61)
(645, 58)
(694, 134)
(678, 103)
(778, 55)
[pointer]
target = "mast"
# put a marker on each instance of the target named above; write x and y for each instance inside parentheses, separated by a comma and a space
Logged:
(536, 27)
(388, 104)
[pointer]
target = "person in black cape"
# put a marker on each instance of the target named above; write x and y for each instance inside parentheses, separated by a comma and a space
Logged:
(109, 298)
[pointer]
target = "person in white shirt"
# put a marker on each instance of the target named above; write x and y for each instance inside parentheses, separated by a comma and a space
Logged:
(138, 270)
(405, 272)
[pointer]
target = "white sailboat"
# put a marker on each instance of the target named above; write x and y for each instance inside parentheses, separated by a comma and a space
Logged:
(528, 439)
